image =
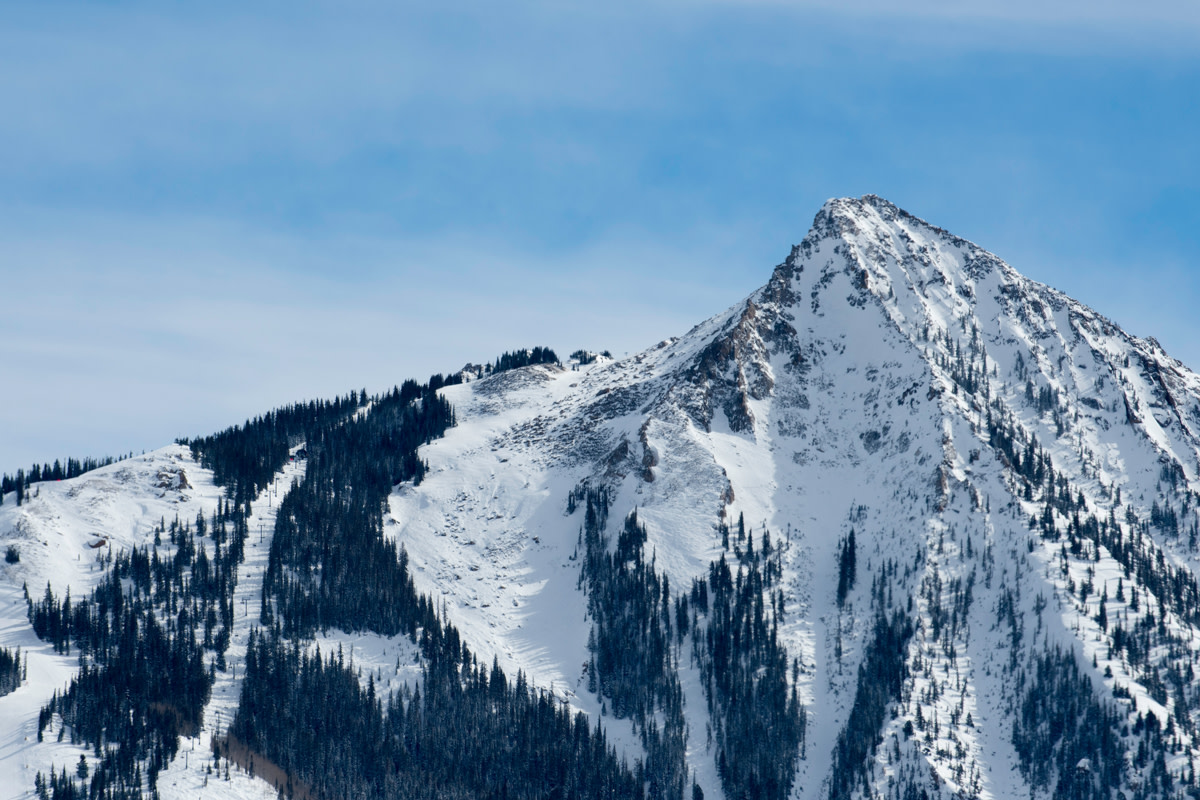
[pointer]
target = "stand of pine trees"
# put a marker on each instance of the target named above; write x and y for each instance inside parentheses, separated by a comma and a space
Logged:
(523, 358)
(632, 666)
(759, 723)
(11, 671)
(847, 567)
(1072, 740)
(881, 677)
(330, 566)
(245, 458)
(733, 616)
(465, 732)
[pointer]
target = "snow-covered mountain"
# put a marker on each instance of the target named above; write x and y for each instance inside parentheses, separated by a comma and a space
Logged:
(960, 507)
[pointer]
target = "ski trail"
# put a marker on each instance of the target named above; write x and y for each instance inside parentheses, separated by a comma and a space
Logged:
(188, 774)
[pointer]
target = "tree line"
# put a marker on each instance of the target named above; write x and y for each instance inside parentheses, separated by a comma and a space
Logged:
(523, 358)
(58, 471)
(244, 458)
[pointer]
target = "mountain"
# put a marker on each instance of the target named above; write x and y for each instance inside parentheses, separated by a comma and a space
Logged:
(902, 523)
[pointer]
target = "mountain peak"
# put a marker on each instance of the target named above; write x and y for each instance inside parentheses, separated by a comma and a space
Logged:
(853, 205)
(854, 211)
(871, 226)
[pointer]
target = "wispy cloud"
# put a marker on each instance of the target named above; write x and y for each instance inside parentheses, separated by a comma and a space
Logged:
(1171, 13)
(106, 85)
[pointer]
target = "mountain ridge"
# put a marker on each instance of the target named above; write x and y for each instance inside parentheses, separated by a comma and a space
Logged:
(956, 489)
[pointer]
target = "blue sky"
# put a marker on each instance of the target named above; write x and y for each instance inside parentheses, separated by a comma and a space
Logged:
(207, 210)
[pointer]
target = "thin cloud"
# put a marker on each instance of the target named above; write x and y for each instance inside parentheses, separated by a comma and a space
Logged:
(1082, 12)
